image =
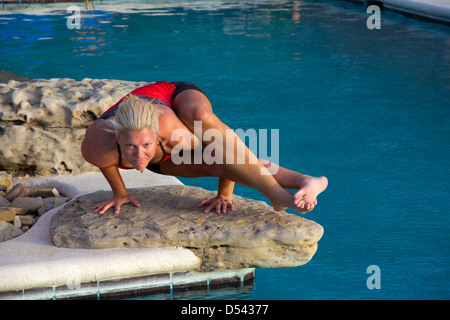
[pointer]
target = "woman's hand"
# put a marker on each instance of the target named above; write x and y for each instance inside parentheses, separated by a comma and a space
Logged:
(220, 202)
(117, 201)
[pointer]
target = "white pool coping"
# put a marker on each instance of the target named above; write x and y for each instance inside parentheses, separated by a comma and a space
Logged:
(437, 10)
(31, 267)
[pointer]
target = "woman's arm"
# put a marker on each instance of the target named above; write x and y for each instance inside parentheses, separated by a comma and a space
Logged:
(99, 149)
(112, 175)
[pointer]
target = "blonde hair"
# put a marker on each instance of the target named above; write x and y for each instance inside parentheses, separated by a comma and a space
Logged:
(134, 114)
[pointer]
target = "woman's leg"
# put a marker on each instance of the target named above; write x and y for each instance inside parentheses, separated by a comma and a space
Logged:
(288, 179)
(192, 105)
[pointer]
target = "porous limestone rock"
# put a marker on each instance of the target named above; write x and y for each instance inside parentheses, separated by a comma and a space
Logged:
(253, 235)
(5, 179)
(42, 122)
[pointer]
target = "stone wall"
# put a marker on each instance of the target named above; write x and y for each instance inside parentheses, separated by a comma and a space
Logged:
(42, 122)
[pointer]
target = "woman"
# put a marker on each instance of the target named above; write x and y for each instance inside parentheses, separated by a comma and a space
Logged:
(137, 133)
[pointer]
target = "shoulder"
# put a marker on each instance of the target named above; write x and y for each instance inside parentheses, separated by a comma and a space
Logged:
(99, 146)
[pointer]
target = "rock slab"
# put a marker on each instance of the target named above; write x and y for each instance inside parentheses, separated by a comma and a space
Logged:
(253, 235)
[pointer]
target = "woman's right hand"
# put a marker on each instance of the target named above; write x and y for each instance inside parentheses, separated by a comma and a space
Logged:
(116, 201)
(220, 202)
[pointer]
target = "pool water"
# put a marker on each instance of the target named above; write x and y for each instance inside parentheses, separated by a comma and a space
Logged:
(369, 109)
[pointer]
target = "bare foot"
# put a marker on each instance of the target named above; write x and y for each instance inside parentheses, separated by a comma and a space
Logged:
(292, 205)
(303, 200)
(310, 188)
(285, 200)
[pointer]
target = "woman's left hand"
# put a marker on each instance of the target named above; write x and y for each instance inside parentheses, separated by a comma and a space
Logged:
(220, 202)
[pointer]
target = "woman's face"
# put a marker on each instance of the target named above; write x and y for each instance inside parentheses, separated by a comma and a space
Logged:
(138, 147)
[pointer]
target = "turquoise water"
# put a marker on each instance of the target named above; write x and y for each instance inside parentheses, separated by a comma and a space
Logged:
(369, 109)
